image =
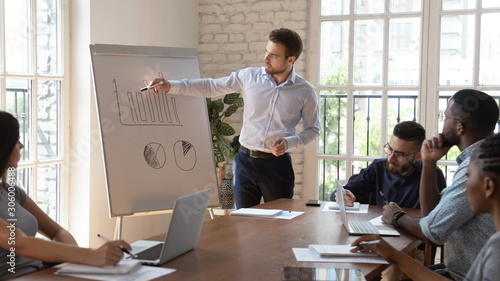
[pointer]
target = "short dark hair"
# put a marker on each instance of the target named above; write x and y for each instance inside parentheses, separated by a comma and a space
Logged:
(477, 110)
(410, 131)
(290, 39)
(9, 136)
(489, 152)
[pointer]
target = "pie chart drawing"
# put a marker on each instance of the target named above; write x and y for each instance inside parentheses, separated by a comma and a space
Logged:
(185, 155)
(155, 155)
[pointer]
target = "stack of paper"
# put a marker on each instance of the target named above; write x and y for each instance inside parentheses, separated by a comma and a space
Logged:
(266, 213)
(331, 251)
(123, 267)
(335, 206)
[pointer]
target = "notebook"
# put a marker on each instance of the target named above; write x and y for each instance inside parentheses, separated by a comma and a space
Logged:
(254, 212)
(183, 232)
(361, 227)
(335, 206)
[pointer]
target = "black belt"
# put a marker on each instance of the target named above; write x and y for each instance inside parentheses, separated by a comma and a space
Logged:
(257, 154)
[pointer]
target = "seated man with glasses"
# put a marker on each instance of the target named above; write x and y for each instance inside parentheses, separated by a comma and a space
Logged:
(398, 175)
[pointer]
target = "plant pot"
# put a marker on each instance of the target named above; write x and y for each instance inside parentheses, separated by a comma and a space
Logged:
(226, 188)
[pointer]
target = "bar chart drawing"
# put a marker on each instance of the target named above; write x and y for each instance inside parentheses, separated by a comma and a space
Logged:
(146, 108)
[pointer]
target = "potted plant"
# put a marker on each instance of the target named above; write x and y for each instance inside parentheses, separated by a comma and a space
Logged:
(217, 112)
(224, 149)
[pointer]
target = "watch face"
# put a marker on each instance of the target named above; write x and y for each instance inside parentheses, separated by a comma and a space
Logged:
(322, 274)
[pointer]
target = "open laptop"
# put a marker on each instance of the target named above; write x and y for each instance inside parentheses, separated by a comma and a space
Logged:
(361, 227)
(183, 232)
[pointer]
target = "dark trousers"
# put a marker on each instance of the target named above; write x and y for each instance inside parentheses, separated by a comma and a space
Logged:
(271, 178)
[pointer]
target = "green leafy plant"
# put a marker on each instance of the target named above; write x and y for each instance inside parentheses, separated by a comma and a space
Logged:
(218, 111)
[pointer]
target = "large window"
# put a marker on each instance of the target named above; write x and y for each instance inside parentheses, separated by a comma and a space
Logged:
(31, 81)
(380, 62)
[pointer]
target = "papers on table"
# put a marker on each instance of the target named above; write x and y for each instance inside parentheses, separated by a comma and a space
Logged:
(334, 207)
(117, 273)
(266, 213)
(332, 251)
(123, 267)
(306, 255)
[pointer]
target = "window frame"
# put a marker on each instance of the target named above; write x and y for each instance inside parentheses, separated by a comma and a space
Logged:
(34, 77)
(429, 89)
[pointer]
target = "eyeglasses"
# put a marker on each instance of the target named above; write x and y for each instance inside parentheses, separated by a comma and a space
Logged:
(398, 154)
(442, 117)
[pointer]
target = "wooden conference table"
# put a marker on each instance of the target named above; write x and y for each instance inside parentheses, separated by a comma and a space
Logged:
(249, 248)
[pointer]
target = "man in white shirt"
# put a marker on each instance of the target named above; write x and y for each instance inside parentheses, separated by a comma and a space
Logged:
(276, 99)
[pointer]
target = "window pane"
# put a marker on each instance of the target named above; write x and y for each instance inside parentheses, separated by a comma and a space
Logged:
(334, 52)
(401, 6)
(404, 52)
(19, 103)
(368, 51)
(333, 106)
(458, 4)
(357, 166)
(329, 170)
(369, 6)
(334, 7)
(367, 123)
(48, 179)
(491, 3)
(25, 179)
(489, 72)
(48, 40)
(49, 116)
(457, 50)
(18, 36)
(401, 106)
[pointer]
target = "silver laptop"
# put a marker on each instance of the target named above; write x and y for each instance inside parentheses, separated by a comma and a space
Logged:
(361, 227)
(183, 232)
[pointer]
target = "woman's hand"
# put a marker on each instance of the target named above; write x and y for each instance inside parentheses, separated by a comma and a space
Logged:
(108, 254)
(382, 248)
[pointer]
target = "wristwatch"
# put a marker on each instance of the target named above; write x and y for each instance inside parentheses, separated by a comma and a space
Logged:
(397, 215)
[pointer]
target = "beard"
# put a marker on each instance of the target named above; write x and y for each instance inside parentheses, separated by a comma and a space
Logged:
(401, 170)
(274, 71)
(447, 142)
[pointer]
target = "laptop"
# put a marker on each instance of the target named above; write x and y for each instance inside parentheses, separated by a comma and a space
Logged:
(361, 227)
(183, 232)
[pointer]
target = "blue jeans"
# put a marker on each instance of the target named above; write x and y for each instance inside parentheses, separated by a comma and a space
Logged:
(271, 178)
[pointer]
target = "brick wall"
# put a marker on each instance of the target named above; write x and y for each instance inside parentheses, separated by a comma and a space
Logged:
(234, 34)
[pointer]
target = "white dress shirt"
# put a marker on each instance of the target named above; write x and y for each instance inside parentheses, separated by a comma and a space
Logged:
(271, 111)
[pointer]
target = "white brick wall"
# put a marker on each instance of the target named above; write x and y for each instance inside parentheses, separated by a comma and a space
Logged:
(234, 34)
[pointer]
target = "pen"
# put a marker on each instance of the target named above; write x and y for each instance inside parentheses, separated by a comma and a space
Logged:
(383, 197)
(123, 249)
(152, 86)
(366, 243)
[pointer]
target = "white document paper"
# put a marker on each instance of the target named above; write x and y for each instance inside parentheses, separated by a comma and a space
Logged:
(145, 273)
(363, 208)
(266, 213)
(254, 212)
(304, 255)
(330, 251)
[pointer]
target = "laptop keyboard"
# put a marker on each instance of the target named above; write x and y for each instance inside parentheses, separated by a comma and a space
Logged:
(150, 254)
(362, 227)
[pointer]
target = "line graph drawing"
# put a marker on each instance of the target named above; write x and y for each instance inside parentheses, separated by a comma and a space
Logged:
(146, 108)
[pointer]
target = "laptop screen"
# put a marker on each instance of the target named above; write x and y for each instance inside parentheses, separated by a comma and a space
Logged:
(340, 198)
